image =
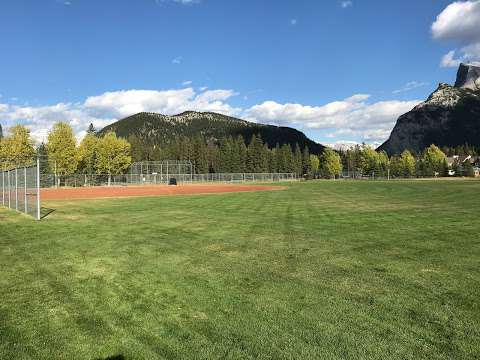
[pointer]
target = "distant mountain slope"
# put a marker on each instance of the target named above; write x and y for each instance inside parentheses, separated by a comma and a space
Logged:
(449, 117)
(157, 129)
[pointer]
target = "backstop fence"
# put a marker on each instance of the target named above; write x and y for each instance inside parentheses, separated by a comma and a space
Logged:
(82, 180)
(20, 189)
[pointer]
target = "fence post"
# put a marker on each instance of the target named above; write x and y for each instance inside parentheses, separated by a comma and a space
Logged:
(16, 189)
(38, 188)
(25, 204)
(9, 190)
(3, 188)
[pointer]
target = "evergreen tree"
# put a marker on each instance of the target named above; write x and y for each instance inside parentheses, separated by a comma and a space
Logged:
(91, 129)
(256, 155)
(241, 148)
(306, 164)
(138, 149)
(289, 164)
(200, 159)
(225, 156)
(42, 154)
(297, 160)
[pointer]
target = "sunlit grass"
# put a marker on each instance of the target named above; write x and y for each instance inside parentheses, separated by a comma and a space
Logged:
(347, 270)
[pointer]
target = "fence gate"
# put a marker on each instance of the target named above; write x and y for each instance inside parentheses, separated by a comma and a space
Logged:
(20, 189)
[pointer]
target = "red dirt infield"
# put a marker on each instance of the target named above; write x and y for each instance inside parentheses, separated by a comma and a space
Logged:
(147, 190)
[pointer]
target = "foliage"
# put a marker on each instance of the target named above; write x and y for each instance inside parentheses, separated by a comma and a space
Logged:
(61, 149)
(434, 161)
(314, 164)
(87, 153)
(330, 163)
(112, 155)
(17, 149)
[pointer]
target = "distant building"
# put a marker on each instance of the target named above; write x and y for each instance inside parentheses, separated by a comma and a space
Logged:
(459, 160)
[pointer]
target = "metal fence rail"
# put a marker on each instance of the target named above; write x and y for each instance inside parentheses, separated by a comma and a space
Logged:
(82, 180)
(20, 189)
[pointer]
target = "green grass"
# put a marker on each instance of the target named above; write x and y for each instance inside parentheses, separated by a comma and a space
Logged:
(330, 270)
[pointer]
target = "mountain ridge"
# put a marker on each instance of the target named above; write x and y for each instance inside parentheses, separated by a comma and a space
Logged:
(449, 117)
(159, 130)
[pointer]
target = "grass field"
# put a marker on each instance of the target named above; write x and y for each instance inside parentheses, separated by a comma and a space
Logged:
(329, 270)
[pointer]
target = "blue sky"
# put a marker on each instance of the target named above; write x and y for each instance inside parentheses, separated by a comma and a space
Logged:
(338, 70)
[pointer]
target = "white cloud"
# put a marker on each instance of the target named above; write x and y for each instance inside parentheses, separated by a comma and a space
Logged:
(459, 22)
(177, 60)
(186, 2)
(108, 107)
(410, 86)
(352, 116)
(186, 83)
(346, 4)
(183, 2)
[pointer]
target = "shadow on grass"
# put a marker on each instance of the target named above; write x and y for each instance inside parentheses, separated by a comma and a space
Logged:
(44, 212)
(114, 357)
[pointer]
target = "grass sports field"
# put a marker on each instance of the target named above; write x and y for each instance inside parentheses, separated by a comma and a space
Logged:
(329, 270)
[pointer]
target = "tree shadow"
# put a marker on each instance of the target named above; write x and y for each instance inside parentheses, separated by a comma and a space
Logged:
(44, 212)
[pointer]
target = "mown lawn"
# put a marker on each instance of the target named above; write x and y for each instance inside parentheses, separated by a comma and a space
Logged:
(328, 270)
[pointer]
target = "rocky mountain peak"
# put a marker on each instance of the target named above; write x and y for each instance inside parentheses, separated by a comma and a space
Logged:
(449, 117)
(468, 77)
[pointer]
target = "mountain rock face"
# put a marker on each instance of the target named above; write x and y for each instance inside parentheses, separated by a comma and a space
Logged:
(449, 117)
(157, 129)
(468, 77)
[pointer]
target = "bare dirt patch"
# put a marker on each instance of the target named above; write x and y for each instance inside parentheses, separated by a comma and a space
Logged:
(148, 190)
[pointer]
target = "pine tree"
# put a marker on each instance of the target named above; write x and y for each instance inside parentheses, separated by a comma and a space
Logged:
(241, 148)
(200, 159)
(91, 129)
(42, 154)
(289, 164)
(306, 164)
(297, 160)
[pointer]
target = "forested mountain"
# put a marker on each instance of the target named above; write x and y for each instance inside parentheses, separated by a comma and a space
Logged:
(156, 130)
(448, 118)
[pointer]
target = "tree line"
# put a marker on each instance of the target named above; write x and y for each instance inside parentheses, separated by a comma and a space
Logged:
(110, 155)
(363, 160)
(60, 155)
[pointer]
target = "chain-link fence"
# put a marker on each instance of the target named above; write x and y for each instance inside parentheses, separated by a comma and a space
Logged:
(20, 189)
(82, 180)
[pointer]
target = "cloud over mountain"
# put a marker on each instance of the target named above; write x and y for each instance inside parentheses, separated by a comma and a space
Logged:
(353, 116)
(459, 22)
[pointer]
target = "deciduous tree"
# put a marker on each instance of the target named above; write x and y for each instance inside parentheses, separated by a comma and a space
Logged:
(330, 163)
(113, 155)
(17, 149)
(61, 149)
